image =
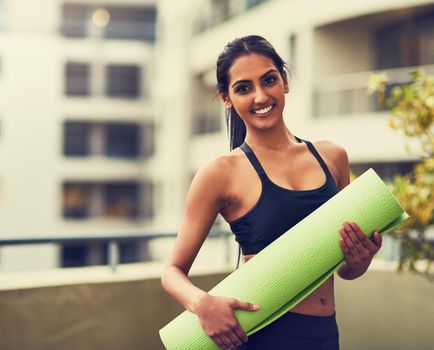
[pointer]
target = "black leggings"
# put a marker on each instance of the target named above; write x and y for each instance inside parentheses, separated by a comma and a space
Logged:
(296, 331)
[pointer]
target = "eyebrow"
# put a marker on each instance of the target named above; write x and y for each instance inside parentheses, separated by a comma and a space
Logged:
(248, 81)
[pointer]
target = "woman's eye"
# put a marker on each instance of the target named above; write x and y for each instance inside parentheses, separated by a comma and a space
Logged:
(241, 89)
(270, 80)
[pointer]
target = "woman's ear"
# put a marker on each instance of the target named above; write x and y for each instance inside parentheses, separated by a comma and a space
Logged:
(226, 101)
(285, 83)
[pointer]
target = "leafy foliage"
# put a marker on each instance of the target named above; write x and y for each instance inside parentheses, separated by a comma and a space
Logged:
(412, 112)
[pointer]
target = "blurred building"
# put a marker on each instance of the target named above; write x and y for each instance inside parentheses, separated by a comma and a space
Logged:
(331, 49)
(108, 108)
(77, 126)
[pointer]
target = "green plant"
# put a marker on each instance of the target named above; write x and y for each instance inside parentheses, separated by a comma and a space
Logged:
(412, 112)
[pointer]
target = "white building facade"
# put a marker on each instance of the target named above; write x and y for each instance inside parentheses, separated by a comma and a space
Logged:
(108, 108)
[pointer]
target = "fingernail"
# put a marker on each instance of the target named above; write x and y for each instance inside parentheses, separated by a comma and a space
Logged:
(256, 306)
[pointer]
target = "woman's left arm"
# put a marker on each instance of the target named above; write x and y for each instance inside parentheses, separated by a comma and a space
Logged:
(356, 246)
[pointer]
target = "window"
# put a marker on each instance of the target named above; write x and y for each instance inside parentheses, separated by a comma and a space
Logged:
(207, 116)
(122, 140)
(77, 79)
(76, 200)
(74, 255)
(406, 43)
(131, 23)
(75, 20)
(123, 200)
(206, 122)
(76, 139)
(123, 81)
(95, 253)
(123, 22)
(114, 140)
(84, 254)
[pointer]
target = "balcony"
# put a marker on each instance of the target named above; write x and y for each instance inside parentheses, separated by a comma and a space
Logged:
(346, 95)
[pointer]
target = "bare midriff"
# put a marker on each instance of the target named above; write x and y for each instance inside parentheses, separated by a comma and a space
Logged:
(320, 303)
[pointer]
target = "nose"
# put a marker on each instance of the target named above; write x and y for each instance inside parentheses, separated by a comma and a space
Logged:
(260, 96)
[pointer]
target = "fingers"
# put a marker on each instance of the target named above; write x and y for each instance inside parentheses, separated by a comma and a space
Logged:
(231, 339)
(377, 239)
(232, 335)
(219, 343)
(353, 245)
(237, 304)
(353, 240)
(356, 245)
(348, 252)
(227, 341)
(234, 340)
(240, 333)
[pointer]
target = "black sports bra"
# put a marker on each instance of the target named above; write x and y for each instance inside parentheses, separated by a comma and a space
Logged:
(278, 208)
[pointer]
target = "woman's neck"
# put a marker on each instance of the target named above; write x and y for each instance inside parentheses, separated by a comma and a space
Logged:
(274, 140)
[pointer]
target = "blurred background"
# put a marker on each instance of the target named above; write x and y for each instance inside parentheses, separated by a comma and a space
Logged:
(107, 110)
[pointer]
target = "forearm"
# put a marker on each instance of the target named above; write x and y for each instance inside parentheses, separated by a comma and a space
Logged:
(178, 285)
(348, 272)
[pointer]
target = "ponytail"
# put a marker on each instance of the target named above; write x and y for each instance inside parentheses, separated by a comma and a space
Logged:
(236, 128)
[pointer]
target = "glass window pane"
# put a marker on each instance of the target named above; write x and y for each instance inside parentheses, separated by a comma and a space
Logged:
(76, 200)
(131, 23)
(121, 200)
(75, 19)
(77, 79)
(123, 81)
(122, 140)
(74, 255)
(76, 139)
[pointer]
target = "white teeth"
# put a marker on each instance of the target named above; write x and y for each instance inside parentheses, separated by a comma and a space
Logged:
(263, 110)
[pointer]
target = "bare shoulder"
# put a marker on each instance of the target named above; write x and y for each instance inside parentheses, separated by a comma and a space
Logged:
(218, 168)
(216, 173)
(331, 150)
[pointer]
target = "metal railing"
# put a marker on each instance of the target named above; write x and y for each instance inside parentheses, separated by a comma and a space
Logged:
(112, 240)
(347, 94)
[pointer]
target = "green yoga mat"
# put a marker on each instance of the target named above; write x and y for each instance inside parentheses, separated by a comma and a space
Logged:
(294, 265)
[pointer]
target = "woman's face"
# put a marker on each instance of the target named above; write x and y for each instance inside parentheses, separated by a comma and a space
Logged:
(256, 90)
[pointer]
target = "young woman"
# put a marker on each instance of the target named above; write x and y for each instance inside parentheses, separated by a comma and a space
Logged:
(269, 181)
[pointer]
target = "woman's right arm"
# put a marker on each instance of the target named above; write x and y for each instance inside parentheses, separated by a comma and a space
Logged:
(205, 199)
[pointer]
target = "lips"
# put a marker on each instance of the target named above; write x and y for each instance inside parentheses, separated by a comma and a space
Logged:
(263, 111)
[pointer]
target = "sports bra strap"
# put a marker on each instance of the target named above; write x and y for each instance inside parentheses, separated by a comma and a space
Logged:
(255, 162)
(315, 152)
(319, 158)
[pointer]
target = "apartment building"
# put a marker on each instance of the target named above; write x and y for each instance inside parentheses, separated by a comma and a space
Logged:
(108, 108)
(77, 127)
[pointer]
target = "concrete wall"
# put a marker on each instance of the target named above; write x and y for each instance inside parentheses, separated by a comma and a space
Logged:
(380, 310)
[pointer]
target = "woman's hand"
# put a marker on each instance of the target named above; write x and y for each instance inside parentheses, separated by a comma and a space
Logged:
(216, 315)
(357, 247)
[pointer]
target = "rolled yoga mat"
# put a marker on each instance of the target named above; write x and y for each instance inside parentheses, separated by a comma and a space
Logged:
(295, 264)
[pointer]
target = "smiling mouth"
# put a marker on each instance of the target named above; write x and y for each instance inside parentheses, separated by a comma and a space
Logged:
(263, 111)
